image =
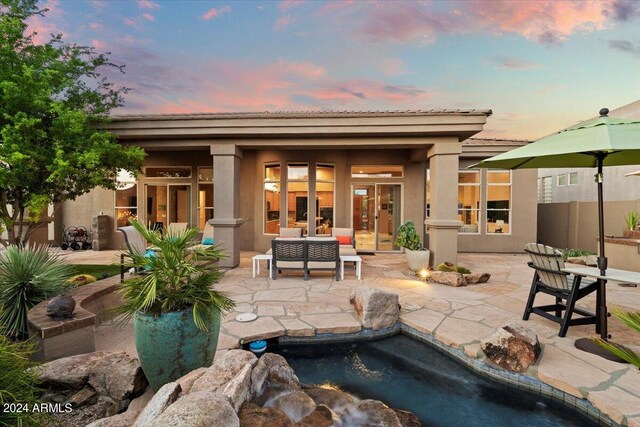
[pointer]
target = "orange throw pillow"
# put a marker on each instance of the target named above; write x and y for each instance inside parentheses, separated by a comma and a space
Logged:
(344, 240)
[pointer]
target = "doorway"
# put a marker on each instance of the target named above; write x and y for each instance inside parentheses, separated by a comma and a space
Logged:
(376, 215)
(166, 204)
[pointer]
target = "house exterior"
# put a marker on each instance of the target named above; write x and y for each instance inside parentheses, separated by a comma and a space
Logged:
(250, 174)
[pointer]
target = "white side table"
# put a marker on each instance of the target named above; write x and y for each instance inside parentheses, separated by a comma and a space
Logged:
(351, 258)
(256, 262)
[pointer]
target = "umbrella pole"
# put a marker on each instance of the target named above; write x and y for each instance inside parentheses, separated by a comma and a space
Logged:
(603, 313)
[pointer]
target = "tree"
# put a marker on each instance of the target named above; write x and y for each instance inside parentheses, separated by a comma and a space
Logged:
(53, 99)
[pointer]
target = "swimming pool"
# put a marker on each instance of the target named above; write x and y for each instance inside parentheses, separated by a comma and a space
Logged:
(407, 374)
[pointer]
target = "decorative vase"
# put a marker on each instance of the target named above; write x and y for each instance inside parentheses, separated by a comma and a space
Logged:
(170, 345)
(417, 260)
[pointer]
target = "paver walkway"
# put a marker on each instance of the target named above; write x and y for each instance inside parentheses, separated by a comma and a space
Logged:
(459, 317)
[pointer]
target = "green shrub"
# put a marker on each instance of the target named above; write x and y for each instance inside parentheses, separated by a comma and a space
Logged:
(28, 276)
(408, 237)
(18, 383)
(632, 320)
(632, 219)
(81, 280)
(571, 253)
(450, 267)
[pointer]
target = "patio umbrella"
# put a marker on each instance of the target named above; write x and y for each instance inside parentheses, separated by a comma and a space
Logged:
(636, 173)
(603, 141)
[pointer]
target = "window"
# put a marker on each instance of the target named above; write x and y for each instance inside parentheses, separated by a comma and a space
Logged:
(272, 199)
(573, 178)
(298, 196)
(325, 185)
(205, 195)
(167, 172)
(469, 200)
(562, 180)
(427, 198)
(378, 171)
(546, 193)
(499, 202)
(126, 204)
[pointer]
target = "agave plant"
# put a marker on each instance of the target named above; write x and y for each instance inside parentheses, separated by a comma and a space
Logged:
(632, 219)
(18, 383)
(28, 276)
(632, 320)
(176, 275)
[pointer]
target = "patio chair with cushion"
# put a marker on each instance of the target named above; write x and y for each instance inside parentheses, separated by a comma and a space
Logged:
(288, 233)
(288, 254)
(135, 244)
(323, 254)
(176, 227)
(347, 240)
(549, 278)
(208, 236)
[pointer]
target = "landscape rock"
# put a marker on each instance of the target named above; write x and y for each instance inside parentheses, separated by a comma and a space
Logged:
(378, 414)
(474, 278)
(322, 416)
(229, 376)
(252, 415)
(125, 419)
(70, 372)
(334, 398)
(164, 397)
(296, 404)
(187, 380)
(118, 376)
(512, 346)
(448, 278)
(82, 397)
(407, 419)
(272, 369)
(375, 309)
(590, 260)
(199, 409)
(61, 307)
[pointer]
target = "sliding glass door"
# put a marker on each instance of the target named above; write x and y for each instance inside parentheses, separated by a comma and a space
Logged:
(376, 215)
(167, 204)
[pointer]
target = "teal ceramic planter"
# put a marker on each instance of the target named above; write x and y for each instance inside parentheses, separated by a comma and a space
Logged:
(169, 346)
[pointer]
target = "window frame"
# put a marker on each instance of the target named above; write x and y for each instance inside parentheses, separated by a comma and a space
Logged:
(479, 209)
(509, 211)
(569, 178)
(198, 184)
(333, 182)
(287, 181)
(563, 175)
(265, 181)
(168, 167)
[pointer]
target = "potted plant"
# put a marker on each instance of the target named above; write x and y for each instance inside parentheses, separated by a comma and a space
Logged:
(175, 310)
(417, 255)
(631, 219)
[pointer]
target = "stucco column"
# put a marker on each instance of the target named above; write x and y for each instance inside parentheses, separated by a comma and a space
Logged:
(226, 201)
(443, 222)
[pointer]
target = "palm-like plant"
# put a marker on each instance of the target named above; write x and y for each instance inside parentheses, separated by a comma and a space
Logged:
(632, 320)
(177, 276)
(28, 276)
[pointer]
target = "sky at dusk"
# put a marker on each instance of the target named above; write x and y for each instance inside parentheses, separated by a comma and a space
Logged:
(540, 66)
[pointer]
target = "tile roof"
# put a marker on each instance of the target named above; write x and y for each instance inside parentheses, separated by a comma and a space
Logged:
(495, 141)
(304, 114)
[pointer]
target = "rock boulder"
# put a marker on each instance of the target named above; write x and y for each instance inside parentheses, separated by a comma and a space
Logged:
(448, 278)
(199, 409)
(378, 414)
(296, 404)
(474, 278)
(255, 416)
(512, 346)
(375, 309)
(118, 376)
(272, 370)
(164, 397)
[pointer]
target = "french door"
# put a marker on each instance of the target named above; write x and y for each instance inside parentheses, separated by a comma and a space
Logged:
(166, 204)
(376, 215)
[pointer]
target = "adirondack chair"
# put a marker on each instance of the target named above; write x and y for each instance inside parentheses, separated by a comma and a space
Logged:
(549, 278)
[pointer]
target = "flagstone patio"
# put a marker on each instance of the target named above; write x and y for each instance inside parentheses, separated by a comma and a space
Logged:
(458, 317)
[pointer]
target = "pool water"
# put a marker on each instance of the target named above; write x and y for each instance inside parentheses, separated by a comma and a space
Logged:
(407, 374)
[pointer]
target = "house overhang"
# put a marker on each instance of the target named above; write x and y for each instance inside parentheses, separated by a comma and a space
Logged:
(298, 129)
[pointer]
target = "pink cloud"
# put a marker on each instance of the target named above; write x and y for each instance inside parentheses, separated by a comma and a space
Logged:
(392, 67)
(334, 6)
(43, 26)
(215, 13)
(99, 4)
(288, 4)
(513, 63)
(283, 22)
(96, 26)
(131, 22)
(99, 45)
(148, 4)
(149, 17)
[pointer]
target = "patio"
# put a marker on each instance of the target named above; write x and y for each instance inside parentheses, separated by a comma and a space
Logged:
(458, 317)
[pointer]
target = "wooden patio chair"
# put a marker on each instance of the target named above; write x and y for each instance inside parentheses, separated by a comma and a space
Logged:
(549, 278)
(135, 244)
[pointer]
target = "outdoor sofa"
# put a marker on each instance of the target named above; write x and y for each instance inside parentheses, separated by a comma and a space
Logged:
(306, 254)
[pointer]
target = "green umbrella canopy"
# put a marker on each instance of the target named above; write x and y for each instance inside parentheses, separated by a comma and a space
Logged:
(577, 147)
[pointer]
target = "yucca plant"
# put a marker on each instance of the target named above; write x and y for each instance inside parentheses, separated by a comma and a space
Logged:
(632, 219)
(632, 320)
(176, 275)
(28, 276)
(18, 383)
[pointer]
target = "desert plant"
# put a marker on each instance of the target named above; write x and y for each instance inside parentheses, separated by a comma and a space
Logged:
(451, 267)
(632, 320)
(18, 383)
(177, 276)
(408, 237)
(28, 276)
(632, 219)
(81, 279)
(571, 253)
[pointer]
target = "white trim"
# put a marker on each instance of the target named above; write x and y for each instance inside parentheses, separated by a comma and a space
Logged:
(562, 175)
